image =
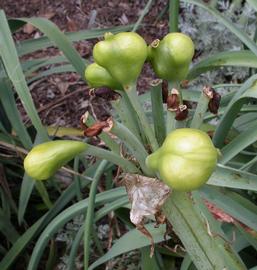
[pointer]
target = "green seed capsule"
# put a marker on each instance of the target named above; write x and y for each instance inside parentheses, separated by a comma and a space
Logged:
(98, 76)
(171, 57)
(45, 159)
(123, 55)
(186, 159)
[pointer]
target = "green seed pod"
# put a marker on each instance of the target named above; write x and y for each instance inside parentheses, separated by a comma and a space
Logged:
(186, 159)
(98, 76)
(123, 55)
(45, 159)
(171, 57)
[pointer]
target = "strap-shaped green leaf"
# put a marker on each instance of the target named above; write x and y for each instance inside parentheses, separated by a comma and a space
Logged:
(243, 140)
(62, 42)
(246, 93)
(9, 104)
(204, 250)
(232, 58)
(233, 204)
(13, 68)
(225, 176)
(7, 228)
(31, 45)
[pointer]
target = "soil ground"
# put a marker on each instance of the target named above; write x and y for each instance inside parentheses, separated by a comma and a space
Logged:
(62, 99)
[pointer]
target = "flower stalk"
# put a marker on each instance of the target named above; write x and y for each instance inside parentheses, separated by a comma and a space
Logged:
(133, 97)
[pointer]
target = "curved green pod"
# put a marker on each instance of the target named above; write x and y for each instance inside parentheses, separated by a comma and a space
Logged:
(171, 57)
(97, 76)
(45, 159)
(186, 159)
(122, 55)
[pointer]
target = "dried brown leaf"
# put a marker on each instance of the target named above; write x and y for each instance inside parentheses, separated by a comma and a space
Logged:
(146, 195)
(219, 214)
(71, 25)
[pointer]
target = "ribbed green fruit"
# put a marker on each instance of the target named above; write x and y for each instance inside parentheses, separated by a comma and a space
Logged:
(122, 55)
(186, 159)
(98, 76)
(171, 58)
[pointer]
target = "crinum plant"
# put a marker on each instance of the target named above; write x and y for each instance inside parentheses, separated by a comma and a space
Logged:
(185, 160)
(175, 164)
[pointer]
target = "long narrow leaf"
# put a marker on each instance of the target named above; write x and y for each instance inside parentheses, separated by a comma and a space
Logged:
(54, 70)
(225, 176)
(7, 228)
(14, 71)
(12, 112)
(233, 58)
(74, 210)
(62, 42)
(142, 15)
(247, 92)
(25, 193)
(233, 207)
(88, 226)
(31, 45)
(204, 251)
(243, 140)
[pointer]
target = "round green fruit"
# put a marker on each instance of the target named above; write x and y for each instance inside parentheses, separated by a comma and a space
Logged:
(122, 55)
(45, 159)
(171, 57)
(98, 76)
(186, 159)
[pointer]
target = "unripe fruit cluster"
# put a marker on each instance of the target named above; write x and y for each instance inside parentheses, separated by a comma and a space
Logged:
(119, 59)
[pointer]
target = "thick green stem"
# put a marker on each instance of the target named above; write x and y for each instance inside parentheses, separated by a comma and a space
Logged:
(50, 264)
(74, 248)
(76, 244)
(126, 113)
(134, 145)
(90, 212)
(171, 122)
(181, 124)
(126, 165)
(43, 193)
(133, 97)
(200, 111)
(97, 242)
(77, 178)
(158, 113)
(173, 15)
